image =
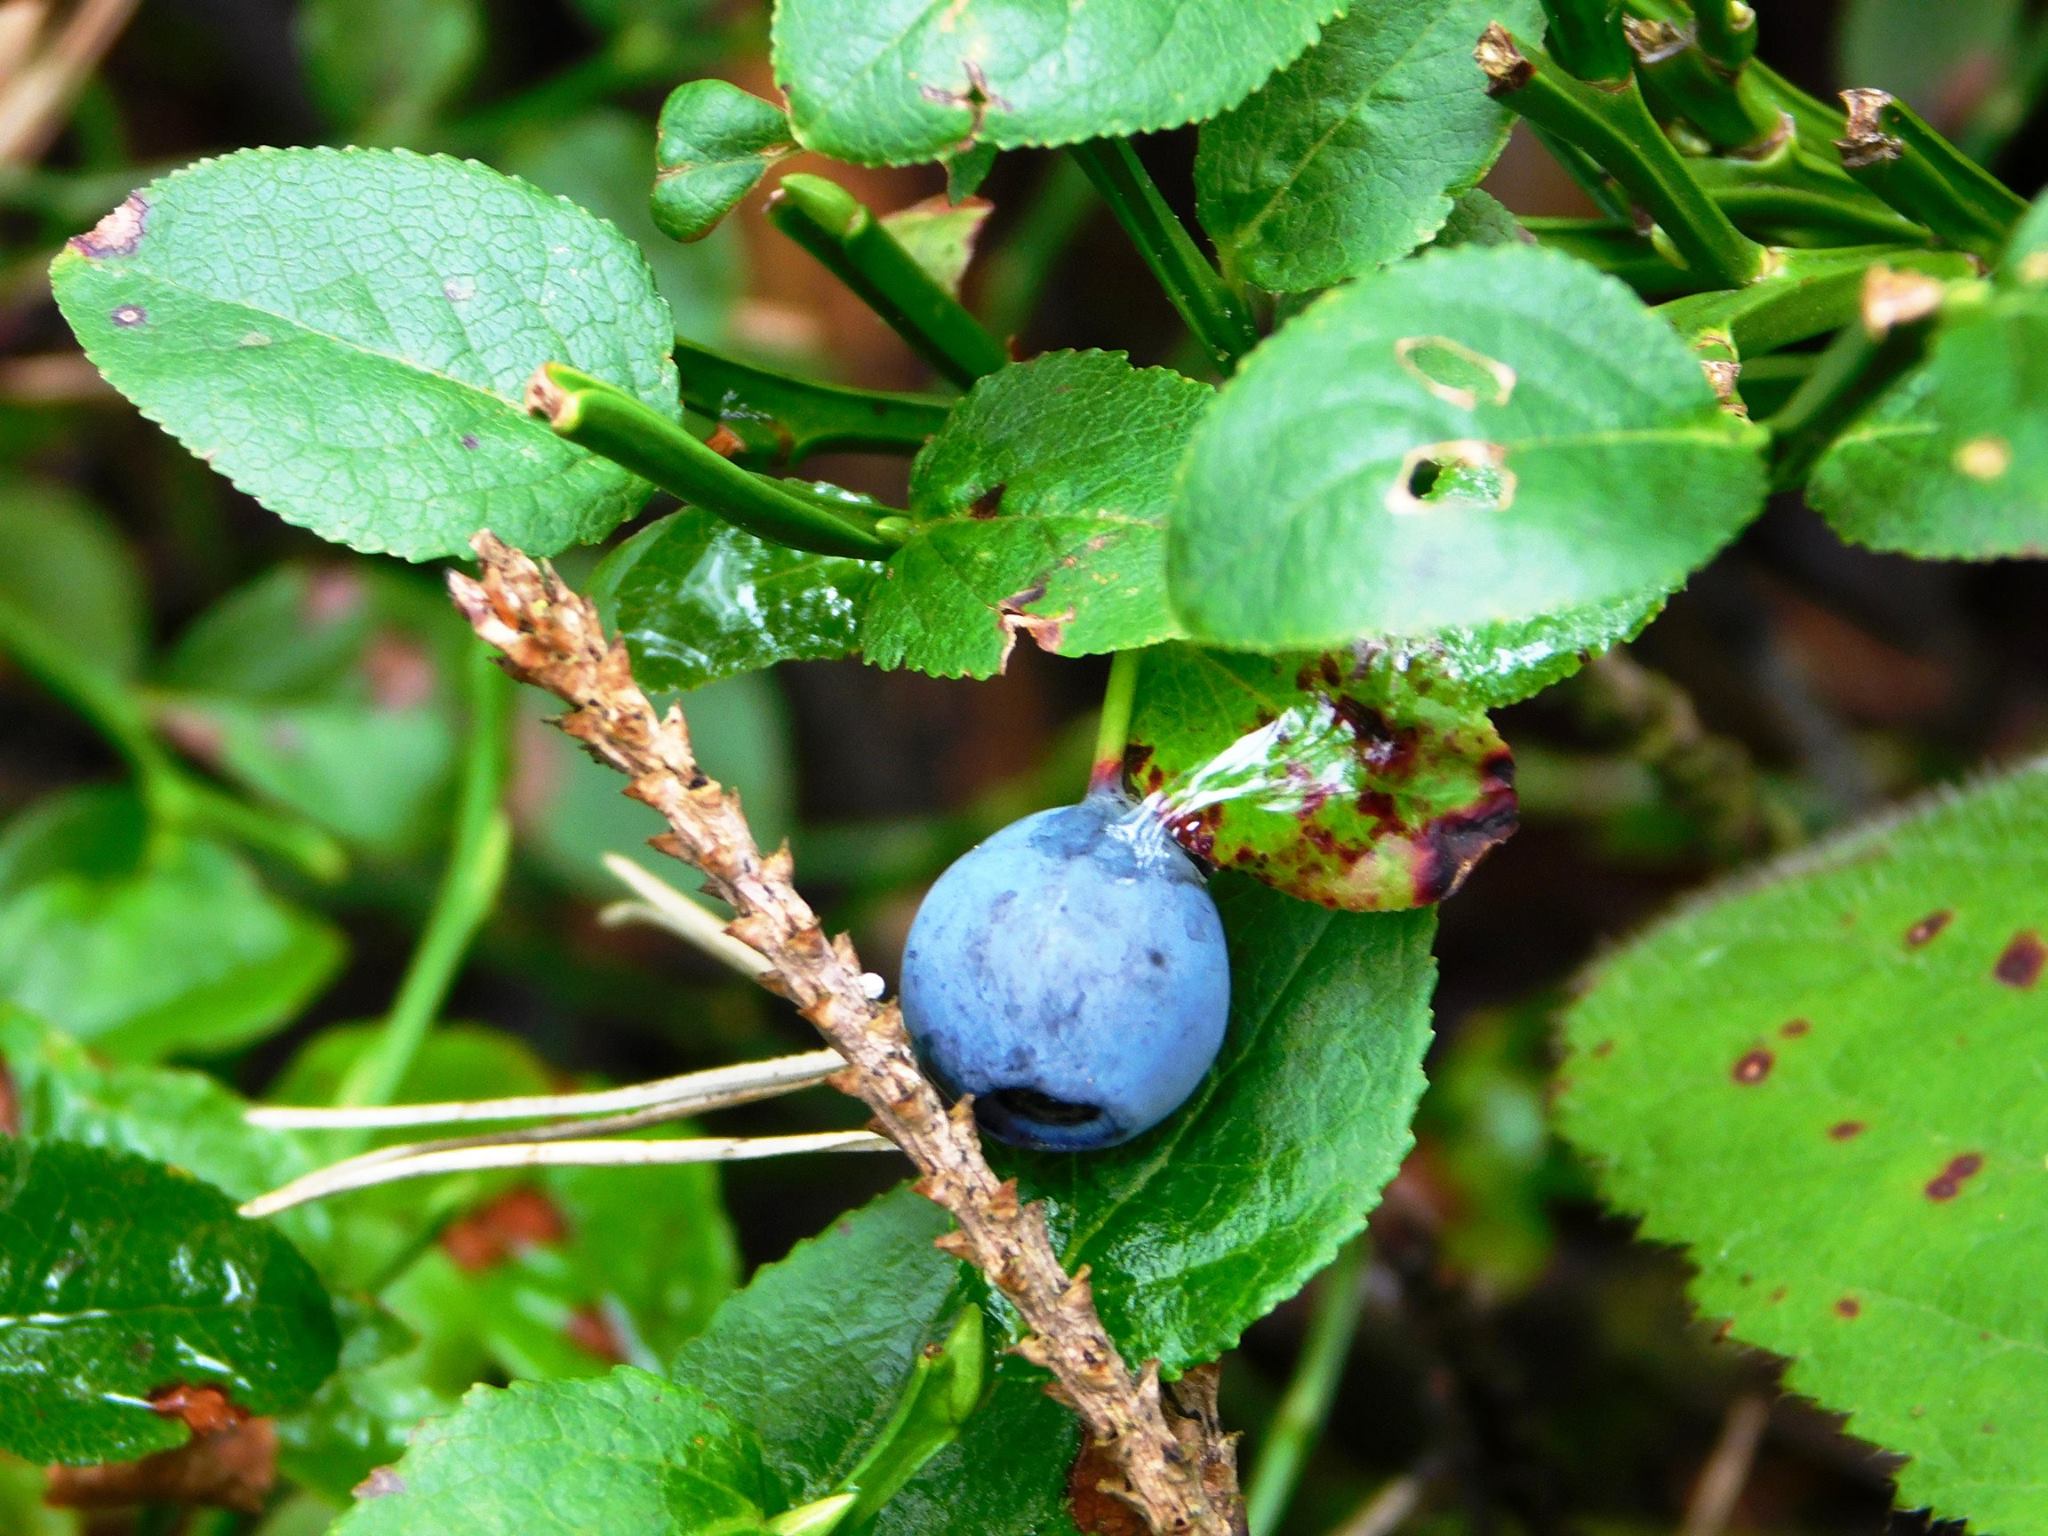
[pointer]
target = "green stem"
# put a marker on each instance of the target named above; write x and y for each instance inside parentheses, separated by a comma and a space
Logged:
(1814, 293)
(1020, 271)
(1617, 247)
(857, 248)
(1197, 291)
(1113, 731)
(1588, 38)
(1899, 311)
(780, 418)
(1890, 150)
(1298, 1422)
(101, 699)
(1727, 32)
(1617, 130)
(1729, 109)
(478, 853)
(608, 421)
(299, 843)
(1814, 120)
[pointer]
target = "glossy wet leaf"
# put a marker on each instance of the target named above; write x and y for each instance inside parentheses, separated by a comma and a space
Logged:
(1816, 1081)
(817, 1349)
(347, 335)
(170, 1114)
(940, 235)
(1308, 1108)
(147, 947)
(1333, 779)
(697, 599)
(64, 568)
(1351, 156)
(1040, 510)
(381, 71)
(1471, 441)
(1952, 461)
(122, 1280)
(894, 81)
(623, 1452)
(1489, 665)
(713, 144)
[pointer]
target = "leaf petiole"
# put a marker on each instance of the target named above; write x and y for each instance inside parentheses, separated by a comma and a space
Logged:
(608, 421)
(834, 226)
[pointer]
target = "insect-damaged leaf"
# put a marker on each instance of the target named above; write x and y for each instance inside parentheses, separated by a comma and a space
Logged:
(1478, 439)
(1040, 509)
(134, 1300)
(347, 335)
(1333, 778)
(1952, 462)
(893, 81)
(1826, 1085)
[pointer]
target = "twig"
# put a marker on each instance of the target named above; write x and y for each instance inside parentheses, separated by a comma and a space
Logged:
(551, 638)
(576, 1154)
(700, 1091)
(1727, 1468)
(668, 908)
(1298, 1423)
(33, 106)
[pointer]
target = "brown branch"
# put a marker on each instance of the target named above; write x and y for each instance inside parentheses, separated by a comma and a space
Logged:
(552, 638)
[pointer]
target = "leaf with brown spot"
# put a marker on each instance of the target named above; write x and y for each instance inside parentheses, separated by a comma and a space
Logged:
(1867, 1207)
(1331, 778)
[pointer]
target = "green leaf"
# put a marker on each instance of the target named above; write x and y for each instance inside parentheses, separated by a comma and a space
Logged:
(1498, 664)
(142, 946)
(330, 691)
(1473, 440)
(383, 70)
(1350, 158)
(66, 568)
(940, 234)
(1478, 218)
(1815, 1081)
(713, 145)
(1040, 510)
(599, 161)
(363, 1414)
(1951, 463)
(624, 1452)
(120, 1280)
(184, 1118)
(1308, 1109)
(893, 81)
(697, 599)
(1333, 779)
(816, 1352)
(347, 335)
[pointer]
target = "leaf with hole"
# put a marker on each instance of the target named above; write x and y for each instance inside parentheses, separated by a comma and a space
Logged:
(128, 1290)
(347, 336)
(1468, 442)
(1332, 778)
(1951, 463)
(888, 82)
(1820, 1082)
(1351, 157)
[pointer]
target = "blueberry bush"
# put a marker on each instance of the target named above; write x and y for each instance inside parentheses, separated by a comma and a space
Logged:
(1147, 497)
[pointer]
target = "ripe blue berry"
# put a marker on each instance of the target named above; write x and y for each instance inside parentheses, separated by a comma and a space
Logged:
(1070, 973)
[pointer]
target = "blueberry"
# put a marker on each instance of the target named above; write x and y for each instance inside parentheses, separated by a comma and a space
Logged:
(1070, 973)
